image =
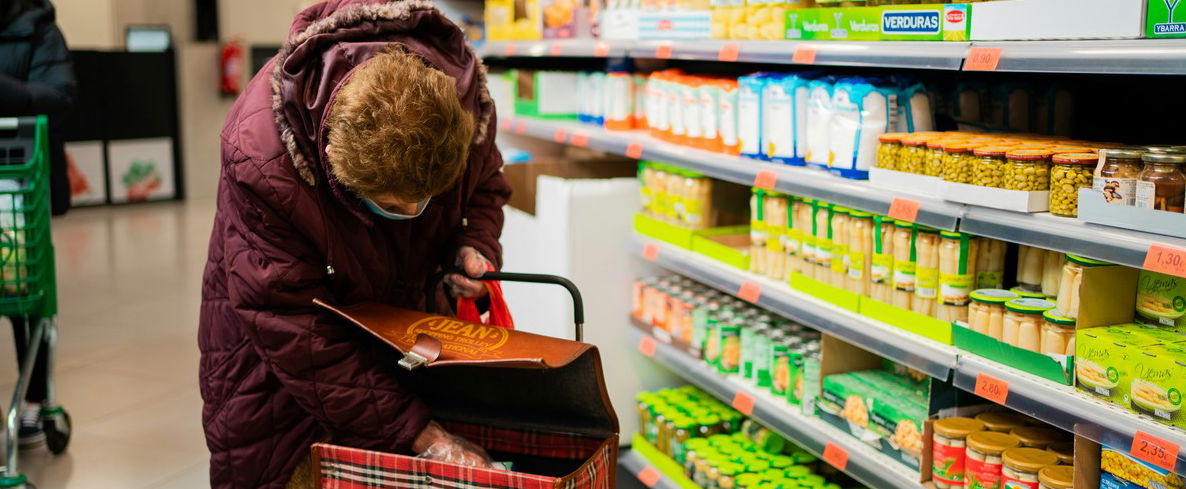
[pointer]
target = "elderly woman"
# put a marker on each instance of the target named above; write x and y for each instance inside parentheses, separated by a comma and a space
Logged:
(359, 161)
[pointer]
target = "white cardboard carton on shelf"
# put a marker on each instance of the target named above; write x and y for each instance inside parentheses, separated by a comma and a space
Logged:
(997, 198)
(906, 182)
(1093, 209)
(1010, 20)
(619, 24)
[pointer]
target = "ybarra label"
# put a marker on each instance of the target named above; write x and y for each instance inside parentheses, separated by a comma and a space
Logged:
(910, 22)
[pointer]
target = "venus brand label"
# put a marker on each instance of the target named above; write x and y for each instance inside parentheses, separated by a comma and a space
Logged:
(910, 22)
(473, 341)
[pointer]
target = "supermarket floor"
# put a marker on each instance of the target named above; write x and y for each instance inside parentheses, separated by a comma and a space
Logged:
(129, 282)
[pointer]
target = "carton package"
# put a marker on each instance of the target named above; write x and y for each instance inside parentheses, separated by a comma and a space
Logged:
(1110, 359)
(1119, 470)
(1161, 300)
(1164, 20)
(1058, 19)
(932, 22)
(545, 94)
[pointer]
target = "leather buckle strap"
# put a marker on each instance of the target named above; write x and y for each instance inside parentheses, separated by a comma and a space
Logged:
(425, 351)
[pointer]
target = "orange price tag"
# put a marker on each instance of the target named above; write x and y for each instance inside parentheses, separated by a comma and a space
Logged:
(601, 50)
(836, 456)
(521, 128)
(579, 139)
(555, 49)
(904, 209)
(650, 252)
(992, 388)
(505, 124)
(765, 179)
(804, 55)
(1166, 259)
(743, 403)
(1154, 450)
(634, 150)
(647, 346)
(663, 50)
(648, 476)
(560, 136)
(729, 52)
(982, 59)
(510, 49)
(750, 291)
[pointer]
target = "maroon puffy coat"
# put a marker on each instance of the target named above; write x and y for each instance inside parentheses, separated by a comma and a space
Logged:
(277, 373)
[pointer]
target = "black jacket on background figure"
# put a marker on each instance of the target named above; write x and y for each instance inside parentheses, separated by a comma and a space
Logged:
(37, 77)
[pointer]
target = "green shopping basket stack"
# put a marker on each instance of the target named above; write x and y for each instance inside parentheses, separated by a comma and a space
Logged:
(28, 285)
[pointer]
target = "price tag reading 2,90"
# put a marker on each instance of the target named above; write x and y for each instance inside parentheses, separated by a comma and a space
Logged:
(1154, 450)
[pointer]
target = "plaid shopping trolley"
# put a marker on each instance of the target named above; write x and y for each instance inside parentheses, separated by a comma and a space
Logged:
(537, 402)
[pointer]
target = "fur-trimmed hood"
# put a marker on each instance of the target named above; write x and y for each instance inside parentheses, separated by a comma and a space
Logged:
(330, 39)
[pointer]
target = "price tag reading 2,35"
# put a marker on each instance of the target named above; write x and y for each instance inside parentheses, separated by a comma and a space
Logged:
(1166, 259)
(1154, 450)
(992, 388)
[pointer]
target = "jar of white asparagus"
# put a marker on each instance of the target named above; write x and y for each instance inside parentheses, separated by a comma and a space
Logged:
(1072, 280)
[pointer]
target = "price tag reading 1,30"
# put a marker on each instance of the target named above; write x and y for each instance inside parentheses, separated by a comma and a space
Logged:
(555, 49)
(836, 456)
(1154, 450)
(505, 124)
(743, 403)
(1166, 259)
(992, 388)
(648, 476)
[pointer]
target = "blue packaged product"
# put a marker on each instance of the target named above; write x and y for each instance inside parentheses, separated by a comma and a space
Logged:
(818, 122)
(862, 110)
(749, 114)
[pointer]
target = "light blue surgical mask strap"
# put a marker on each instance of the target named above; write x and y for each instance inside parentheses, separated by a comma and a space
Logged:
(379, 211)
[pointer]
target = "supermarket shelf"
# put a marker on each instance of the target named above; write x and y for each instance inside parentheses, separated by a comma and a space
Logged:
(799, 181)
(1135, 56)
(577, 48)
(1066, 408)
(919, 55)
(928, 356)
(864, 463)
(633, 463)
(1115, 245)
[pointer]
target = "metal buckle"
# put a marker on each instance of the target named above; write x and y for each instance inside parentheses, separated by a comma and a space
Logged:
(412, 361)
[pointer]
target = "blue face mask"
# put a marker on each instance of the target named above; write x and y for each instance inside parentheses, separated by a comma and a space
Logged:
(379, 211)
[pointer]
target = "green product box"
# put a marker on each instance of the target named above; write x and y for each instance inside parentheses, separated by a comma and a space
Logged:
(728, 245)
(1105, 359)
(1044, 366)
(933, 22)
(1165, 19)
(1158, 379)
(827, 292)
(649, 226)
(900, 425)
(1161, 298)
(849, 397)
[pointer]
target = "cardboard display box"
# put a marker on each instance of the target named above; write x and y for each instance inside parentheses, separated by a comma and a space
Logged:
(545, 94)
(665, 26)
(934, 22)
(826, 292)
(1163, 19)
(728, 245)
(522, 176)
(1011, 20)
(1094, 209)
(919, 324)
(906, 182)
(997, 198)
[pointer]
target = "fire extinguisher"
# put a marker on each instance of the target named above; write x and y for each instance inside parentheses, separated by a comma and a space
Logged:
(231, 66)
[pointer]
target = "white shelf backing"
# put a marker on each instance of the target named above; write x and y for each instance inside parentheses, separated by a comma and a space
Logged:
(634, 463)
(798, 181)
(928, 356)
(1118, 56)
(865, 464)
(1064, 407)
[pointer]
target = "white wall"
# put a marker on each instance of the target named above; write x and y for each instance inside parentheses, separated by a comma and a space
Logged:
(88, 24)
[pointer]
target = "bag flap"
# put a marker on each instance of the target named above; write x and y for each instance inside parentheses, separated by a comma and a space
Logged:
(494, 376)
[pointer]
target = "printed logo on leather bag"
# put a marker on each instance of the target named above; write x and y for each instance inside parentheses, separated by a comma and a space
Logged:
(473, 341)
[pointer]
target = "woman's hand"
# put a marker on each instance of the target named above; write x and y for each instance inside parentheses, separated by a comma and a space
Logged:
(434, 443)
(475, 265)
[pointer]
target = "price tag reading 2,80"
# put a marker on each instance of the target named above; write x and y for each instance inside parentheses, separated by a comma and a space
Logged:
(992, 388)
(1154, 450)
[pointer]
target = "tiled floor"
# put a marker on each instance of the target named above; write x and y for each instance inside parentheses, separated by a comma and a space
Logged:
(129, 282)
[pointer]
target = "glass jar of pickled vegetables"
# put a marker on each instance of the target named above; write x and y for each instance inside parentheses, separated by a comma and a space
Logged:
(1028, 170)
(984, 464)
(912, 156)
(990, 264)
(1027, 294)
(1071, 172)
(926, 288)
(933, 159)
(1023, 322)
(949, 452)
(957, 274)
(1056, 477)
(1162, 183)
(1002, 422)
(1052, 273)
(989, 166)
(1021, 466)
(905, 263)
(1072, 279)
(986, 313)
(888, 148)
(957, 162)
(860, 251)
(821, 229)
(1038, 436)
(1118, 175)
(839, 237)
(1058, 334)
(882, 269)
(1065, 450)
(1031, 263)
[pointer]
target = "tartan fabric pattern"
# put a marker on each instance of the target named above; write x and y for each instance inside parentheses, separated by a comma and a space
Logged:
(350, 468)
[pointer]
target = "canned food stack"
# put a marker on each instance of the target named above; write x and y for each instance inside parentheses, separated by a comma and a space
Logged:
(1000, 449)
(676, 196)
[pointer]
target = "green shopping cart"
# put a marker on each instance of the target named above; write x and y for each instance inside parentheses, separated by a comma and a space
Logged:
(28, 285)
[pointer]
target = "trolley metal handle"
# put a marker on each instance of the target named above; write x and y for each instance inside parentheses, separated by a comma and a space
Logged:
(578, 304)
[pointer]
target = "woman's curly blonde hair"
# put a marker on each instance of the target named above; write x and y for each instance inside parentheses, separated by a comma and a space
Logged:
(398, 128)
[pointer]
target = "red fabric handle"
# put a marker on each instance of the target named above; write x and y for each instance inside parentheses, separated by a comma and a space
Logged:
(499, 314)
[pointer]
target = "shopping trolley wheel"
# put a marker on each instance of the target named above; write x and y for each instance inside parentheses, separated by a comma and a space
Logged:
(56, 424)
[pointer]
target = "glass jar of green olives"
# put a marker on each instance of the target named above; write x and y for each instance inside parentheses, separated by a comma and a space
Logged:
(912, 156)
(1028, 170)
(957, 162)
(1071, 172)
(933, 157)
(888, 149)
(989, 166)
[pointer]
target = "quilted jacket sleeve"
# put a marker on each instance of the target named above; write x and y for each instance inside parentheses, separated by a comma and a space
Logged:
(484, 215)
(331, 370)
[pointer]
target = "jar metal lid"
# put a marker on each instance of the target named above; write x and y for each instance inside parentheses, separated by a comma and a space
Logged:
(1057, 477)
(938, 143)
(821, 204)
(860, 214)
(1027, 294)
(1087, 262)
(1076, 158)
(952, 234)
(1026, 154)
(903, 224)
(1003, 422)
(1037, 435)
(992, 296)
(1065, 450)
(892, 137)
(1052, 316)
(992, 442)
(1029, 306)
(928, 230)
(840, 210)
(959, 146)
(915, 140)
(992, 151)
(1162, 148)
(1070, 149)
(957, 427)
(1168, 158)
(1028, 459)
